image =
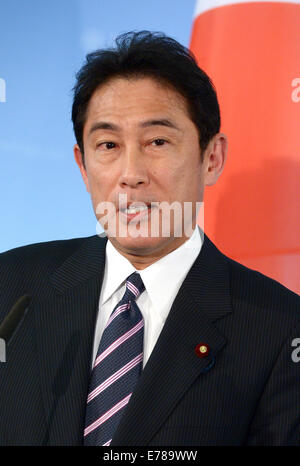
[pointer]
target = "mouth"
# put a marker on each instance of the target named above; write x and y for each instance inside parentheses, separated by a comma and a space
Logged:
(135, 210)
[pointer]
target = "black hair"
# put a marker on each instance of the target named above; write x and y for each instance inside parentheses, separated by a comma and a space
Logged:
(151, 54)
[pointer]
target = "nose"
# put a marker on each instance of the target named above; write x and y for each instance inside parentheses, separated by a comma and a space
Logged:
(134, 171)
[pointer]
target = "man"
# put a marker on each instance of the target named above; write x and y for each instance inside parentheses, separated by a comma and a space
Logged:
(147, 339)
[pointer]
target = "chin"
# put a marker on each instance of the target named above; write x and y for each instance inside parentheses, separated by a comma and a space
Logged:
(138, 246)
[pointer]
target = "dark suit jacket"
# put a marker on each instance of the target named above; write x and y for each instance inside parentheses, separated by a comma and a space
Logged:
(245, 392)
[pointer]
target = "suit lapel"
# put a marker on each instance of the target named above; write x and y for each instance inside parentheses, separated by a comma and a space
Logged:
(65, 324)
(173, 365)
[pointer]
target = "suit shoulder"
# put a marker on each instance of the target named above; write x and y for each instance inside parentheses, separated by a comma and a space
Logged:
(262, 292)
(27, 269)
(259, 280)
(34, 254)
(36, 262)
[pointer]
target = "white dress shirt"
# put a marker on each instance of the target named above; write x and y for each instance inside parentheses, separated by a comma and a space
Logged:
(162, 281)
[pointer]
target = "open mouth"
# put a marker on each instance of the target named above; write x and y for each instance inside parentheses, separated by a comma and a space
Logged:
(135, 209)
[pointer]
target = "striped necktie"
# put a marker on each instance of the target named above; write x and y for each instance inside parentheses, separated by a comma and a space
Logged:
(117, 367)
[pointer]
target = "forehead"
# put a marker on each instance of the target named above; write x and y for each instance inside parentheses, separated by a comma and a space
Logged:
(136, 96)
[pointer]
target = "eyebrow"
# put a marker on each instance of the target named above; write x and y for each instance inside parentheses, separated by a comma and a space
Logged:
(145, 124)
(159, 122)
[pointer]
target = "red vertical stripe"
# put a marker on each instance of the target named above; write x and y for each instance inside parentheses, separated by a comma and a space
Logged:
(252, 53)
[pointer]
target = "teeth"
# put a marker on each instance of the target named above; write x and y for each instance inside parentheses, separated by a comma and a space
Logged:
(134, 210)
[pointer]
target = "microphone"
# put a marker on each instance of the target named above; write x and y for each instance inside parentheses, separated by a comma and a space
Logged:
(11, 323)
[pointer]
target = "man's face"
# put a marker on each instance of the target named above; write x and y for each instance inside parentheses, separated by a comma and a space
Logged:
(140, 141)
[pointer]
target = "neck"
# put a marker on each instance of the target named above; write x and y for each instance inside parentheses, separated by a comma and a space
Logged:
(143, 257)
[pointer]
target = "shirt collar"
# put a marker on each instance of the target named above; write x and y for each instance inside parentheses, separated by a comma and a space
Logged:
(161, 279)
(117, 269)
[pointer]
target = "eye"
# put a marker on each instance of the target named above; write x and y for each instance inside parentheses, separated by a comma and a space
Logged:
(158, 142)
(106, 145)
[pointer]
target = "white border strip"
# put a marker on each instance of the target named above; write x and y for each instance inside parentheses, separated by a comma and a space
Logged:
(205, 5)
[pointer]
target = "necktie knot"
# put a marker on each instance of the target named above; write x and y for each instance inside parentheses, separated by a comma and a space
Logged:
(134, 285)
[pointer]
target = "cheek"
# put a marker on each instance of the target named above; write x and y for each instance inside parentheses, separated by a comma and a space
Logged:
(97, 176)
(187, 182)
(184, 174)
(168, 180)
(98, 188)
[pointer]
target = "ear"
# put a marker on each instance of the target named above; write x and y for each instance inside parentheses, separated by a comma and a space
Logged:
(214, 158)
(79, 160)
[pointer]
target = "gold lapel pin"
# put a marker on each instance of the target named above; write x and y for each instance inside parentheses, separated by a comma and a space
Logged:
(202, 350)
